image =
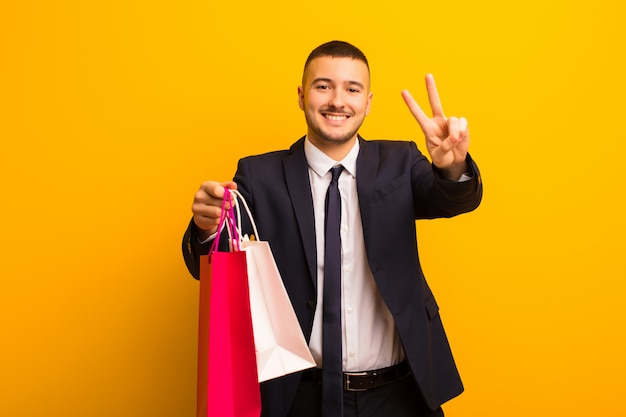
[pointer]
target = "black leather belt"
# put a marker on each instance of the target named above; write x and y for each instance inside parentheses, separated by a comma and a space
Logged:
(363, 381)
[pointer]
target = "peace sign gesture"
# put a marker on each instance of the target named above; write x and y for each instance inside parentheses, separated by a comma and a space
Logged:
(447, 138)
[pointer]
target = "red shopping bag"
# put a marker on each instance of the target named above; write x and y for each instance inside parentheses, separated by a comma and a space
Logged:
(227, 371)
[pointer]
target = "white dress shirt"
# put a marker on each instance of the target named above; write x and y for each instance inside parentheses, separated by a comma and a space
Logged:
(370, 340)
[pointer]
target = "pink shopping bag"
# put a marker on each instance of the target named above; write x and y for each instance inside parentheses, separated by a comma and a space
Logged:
(227, 371)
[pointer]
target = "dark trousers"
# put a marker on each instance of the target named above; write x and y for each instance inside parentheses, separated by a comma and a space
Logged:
(398, 399)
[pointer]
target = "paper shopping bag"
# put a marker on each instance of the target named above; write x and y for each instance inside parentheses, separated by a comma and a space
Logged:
(227, 372)
(280, 345)
(281, 348)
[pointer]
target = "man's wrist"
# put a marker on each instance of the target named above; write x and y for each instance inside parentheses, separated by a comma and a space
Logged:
(204, 235)
(459, 172)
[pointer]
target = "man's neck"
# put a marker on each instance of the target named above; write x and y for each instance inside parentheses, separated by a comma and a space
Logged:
(334, 150)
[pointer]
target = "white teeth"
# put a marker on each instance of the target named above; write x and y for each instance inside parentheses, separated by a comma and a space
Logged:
(336, 118)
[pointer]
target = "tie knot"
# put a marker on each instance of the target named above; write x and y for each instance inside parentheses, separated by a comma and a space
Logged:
(336, 172)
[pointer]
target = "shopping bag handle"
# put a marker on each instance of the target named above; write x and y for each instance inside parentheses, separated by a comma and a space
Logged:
(237, 198)
(227, 219)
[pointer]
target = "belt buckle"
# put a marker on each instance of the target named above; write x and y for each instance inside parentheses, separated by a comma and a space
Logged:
(346, 381)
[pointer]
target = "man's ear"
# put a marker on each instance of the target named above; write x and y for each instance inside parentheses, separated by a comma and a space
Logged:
(301, 98)
(369, 103)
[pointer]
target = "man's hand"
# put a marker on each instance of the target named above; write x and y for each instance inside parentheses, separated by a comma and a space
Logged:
(447, 139)
(207, 206)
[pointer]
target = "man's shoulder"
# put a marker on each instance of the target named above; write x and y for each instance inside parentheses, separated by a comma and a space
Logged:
(270, 155)
(392, 143)
(389, 145)
(274, 155)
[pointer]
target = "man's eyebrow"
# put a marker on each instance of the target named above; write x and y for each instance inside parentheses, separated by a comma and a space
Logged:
(322, 80)
(358, 84)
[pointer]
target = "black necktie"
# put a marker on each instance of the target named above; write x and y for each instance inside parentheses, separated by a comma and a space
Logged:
(332, 374)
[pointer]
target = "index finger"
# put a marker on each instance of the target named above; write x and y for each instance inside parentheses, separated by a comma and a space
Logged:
(415, 108)
(433, 96)
(216, 190)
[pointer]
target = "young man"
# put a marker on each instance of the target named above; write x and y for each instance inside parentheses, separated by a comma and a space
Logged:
(391, 356)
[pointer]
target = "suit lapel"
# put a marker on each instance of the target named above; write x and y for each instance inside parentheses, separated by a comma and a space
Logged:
(299, 188)
(367, 167)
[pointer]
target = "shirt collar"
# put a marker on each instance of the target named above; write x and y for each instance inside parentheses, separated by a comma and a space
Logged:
(320, 162)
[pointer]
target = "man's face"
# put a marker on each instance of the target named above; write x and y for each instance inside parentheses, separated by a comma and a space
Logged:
(335, 97)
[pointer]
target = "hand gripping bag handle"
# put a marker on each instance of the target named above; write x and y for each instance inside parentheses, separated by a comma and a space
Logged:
(227, 219)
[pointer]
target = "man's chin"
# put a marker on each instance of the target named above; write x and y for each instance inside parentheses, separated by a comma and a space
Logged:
(337, 139)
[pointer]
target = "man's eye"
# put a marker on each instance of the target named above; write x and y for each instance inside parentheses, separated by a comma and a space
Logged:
(322, 87)
(353, 90)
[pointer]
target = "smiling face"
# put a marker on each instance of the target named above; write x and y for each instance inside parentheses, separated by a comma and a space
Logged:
(335, 97)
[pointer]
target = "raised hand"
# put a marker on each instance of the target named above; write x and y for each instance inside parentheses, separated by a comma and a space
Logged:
(447, 138)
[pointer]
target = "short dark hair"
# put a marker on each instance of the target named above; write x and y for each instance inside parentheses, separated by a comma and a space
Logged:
(336, 49)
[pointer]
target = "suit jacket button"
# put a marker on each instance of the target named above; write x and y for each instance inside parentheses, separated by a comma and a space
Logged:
(311, 305)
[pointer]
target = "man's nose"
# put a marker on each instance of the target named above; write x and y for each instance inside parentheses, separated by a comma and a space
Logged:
(336, 99)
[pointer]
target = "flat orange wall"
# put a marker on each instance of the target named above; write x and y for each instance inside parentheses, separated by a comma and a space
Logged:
(112, 113)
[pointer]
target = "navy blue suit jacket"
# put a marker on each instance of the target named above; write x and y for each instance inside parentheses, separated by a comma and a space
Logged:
(396, 185)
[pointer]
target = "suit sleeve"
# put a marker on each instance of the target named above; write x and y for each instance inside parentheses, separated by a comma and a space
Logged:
(436, 197)
(193, 249)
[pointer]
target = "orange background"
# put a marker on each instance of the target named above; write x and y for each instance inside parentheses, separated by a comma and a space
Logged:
(112, 114)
